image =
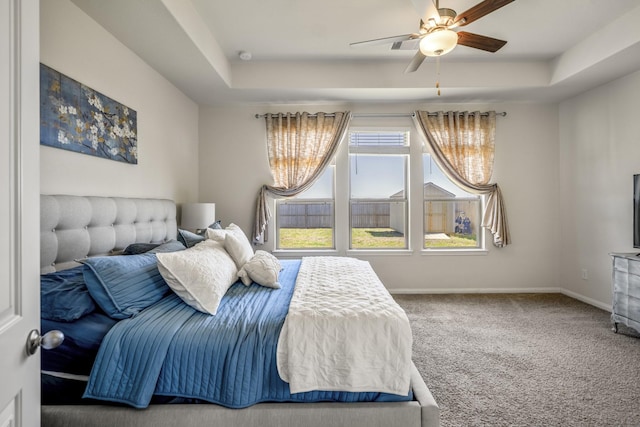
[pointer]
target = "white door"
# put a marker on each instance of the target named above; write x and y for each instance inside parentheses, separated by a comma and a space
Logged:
(19, 211)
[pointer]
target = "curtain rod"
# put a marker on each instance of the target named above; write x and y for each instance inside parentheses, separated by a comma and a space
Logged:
(503, 114)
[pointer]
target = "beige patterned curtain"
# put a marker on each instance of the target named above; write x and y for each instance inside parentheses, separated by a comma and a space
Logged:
(462, 144)
(300, 147)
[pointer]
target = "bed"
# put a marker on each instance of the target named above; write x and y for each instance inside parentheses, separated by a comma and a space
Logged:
(74, 228)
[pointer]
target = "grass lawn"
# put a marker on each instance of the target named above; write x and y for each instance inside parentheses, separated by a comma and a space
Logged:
(296, 238)
(364, 238)
(376, 238)
(321, 238)
(454, 241)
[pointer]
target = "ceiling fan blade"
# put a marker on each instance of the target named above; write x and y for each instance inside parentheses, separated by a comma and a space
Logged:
(411, 44)
(415, 62)
(480, 42)
(426, 10)
(384, 40)
(479, 10)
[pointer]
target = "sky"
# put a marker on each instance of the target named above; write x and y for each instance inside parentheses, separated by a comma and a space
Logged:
(378, 177)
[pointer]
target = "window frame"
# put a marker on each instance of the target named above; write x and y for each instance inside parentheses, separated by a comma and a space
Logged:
(414, 212)
(403, 151)
(477, 227)
(331, 201)
(480, 249)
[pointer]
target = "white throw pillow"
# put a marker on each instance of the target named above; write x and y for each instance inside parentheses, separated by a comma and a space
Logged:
(199, 275)
(217, 235)
(263, 269)
(235, 242)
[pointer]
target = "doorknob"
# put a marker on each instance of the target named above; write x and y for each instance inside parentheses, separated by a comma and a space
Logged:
(51, 339)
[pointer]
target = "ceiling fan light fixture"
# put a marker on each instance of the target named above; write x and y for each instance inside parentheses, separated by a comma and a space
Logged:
(438, 42)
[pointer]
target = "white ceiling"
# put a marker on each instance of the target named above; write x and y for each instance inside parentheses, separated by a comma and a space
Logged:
(300, 49)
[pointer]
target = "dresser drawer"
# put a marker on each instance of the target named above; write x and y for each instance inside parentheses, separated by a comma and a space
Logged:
(626, 306)
(627, 265)
(626, 283)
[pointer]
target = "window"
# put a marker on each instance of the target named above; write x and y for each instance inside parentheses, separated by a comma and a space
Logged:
(378, 171)
(307, 220)
(372, 201)
(451, 215)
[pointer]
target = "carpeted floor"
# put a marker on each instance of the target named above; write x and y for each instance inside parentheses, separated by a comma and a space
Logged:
(524, 360)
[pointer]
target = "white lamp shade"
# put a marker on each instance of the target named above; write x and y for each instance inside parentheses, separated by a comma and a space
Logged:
(438, 42)
(197, 216)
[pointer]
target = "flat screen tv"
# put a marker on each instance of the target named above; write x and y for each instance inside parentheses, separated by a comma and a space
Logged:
(636, 211)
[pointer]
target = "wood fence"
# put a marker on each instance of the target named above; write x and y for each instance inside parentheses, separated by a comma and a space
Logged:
(439, 214)
(305, 214)
(319, 214)
(370, 214)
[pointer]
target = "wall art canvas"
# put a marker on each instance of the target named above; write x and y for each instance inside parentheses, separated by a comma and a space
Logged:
(77, 118)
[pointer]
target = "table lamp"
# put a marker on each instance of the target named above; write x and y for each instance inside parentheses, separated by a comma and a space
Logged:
(197, 216)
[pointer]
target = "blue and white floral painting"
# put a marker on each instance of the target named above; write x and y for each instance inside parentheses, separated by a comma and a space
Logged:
(77, 118)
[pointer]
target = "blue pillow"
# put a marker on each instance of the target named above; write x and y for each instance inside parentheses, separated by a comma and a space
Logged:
(216, 225)
(170, 246)
(153, 248)
(64, 297)
(188, 238)
(123, 285)
(139, 248)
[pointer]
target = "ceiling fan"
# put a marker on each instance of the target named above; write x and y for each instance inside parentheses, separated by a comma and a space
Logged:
(436, 36)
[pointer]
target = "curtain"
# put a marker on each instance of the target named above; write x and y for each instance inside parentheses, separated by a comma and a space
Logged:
(462, 144)
(300, 146)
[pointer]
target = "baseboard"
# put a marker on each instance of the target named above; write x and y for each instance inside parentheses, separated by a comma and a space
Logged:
(566, 292)
(590, 301)
(478, 291)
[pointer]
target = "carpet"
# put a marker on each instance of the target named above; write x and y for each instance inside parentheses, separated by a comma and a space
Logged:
(524, 360)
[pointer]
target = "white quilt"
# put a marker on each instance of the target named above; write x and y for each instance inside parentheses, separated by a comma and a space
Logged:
(344, 331)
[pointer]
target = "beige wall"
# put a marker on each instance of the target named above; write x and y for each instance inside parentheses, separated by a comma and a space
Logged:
(233, 165)
(75, 45)
(565, 171)
(599, 153)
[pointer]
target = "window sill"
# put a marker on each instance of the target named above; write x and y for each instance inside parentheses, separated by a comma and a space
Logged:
(454, 252)
(297, 253)
(379, 252)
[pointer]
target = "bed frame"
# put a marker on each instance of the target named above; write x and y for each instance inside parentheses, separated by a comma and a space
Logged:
(74, 227)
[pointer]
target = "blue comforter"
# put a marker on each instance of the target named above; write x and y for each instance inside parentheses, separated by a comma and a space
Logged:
(170, 349)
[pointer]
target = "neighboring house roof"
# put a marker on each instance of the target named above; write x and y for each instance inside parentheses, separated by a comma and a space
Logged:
(430, 190)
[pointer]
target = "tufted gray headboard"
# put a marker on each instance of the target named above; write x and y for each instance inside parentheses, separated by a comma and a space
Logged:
(75, 227)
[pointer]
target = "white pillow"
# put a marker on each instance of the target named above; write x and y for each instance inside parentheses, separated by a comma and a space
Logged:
(263, 269)
(217, 234)
(235, 242)
(199, 275)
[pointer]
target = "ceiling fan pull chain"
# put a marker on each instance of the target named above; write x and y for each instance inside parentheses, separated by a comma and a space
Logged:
(438, 74)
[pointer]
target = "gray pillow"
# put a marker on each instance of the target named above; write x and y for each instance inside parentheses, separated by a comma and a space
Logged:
(153, 248)
(139, 248)
(188, 238)
(170, 246)
(216, 225)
